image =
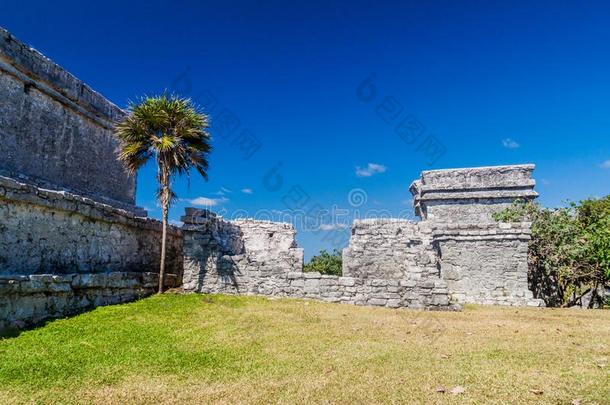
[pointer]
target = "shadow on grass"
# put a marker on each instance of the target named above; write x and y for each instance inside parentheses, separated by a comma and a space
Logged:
(14, 332)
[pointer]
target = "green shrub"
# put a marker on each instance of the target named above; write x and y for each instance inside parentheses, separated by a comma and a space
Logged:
(569, 253)
(326, 263)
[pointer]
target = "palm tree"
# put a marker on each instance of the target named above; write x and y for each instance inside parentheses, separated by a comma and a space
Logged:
(172, 131)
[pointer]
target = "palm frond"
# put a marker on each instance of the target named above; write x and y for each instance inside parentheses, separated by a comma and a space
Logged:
(170, 129)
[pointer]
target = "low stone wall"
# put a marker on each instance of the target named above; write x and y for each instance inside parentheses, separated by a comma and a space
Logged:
(401, 253)
(457, 254)
(388, 248)
(27, 300)
(61, 253)
(261, 257)
(243, 256)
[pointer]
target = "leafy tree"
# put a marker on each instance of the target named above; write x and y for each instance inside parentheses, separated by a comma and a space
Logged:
(594, 219)
(569, 253)
(326, 263)
(173, 132)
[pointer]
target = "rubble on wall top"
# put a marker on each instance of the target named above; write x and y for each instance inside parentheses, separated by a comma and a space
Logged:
(369, 221)
(199, 216)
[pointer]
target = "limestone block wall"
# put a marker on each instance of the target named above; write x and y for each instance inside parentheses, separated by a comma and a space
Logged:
(388, 248)
(397, 251)
(485, 263)
(245, 256)
(457, 254)
(261, 257)
(61, 253)
(482, 261)
(55, 131)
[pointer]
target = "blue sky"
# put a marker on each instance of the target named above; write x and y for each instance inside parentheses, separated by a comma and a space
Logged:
(487, 82)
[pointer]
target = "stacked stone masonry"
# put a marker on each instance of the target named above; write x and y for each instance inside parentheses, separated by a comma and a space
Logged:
(261, 257)
(470, 195)
(56, 131)
(71, 237)
(457, 254)
(61, 253)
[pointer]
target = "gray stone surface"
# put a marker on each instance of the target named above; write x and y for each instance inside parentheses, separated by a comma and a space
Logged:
(71, 237)
(471, 194)
(261, 257)
(485, 263)
(47, 231)
(55, 131)
(27, 300)
(61, 253)
(456, 255)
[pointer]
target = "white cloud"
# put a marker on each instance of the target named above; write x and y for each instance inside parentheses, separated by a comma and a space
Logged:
(330, 227)
(247, 190)
(605, 164)
(408, 202)
(175, 222)
(207, 202)
(370, 169)
(223, 191)
(509, 143)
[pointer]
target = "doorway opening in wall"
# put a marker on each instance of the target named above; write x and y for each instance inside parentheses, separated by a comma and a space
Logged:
(325, 262)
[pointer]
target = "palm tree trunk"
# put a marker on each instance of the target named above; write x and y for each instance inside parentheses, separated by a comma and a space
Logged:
(165, 204)
(163, 242)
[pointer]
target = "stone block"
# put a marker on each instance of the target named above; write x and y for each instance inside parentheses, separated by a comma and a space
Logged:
(347, 281)
(393, 303)
(377, 301)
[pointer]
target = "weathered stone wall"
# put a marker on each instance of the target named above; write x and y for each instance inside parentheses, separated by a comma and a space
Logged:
(243, 256)
(397, 251)
(470, 195)
(481, 260)
(71, 237)
(456, 254)
(61, 253)
(387, 248)
(485, 263)
(27, 300)
(55, 131)
(261, 257)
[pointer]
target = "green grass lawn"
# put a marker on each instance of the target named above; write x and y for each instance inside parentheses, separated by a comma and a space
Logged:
(201, 349)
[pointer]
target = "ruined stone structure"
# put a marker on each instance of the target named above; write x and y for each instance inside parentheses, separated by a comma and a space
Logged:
(482, 261)
(56, 131)
(261, 257)
(470, 195)
(457, 254)
(71, 237)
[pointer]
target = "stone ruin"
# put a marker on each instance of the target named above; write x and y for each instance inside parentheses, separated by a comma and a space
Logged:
(456, 254)
(72, 238)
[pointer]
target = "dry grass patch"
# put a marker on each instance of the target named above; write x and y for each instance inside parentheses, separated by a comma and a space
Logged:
(225, 349)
